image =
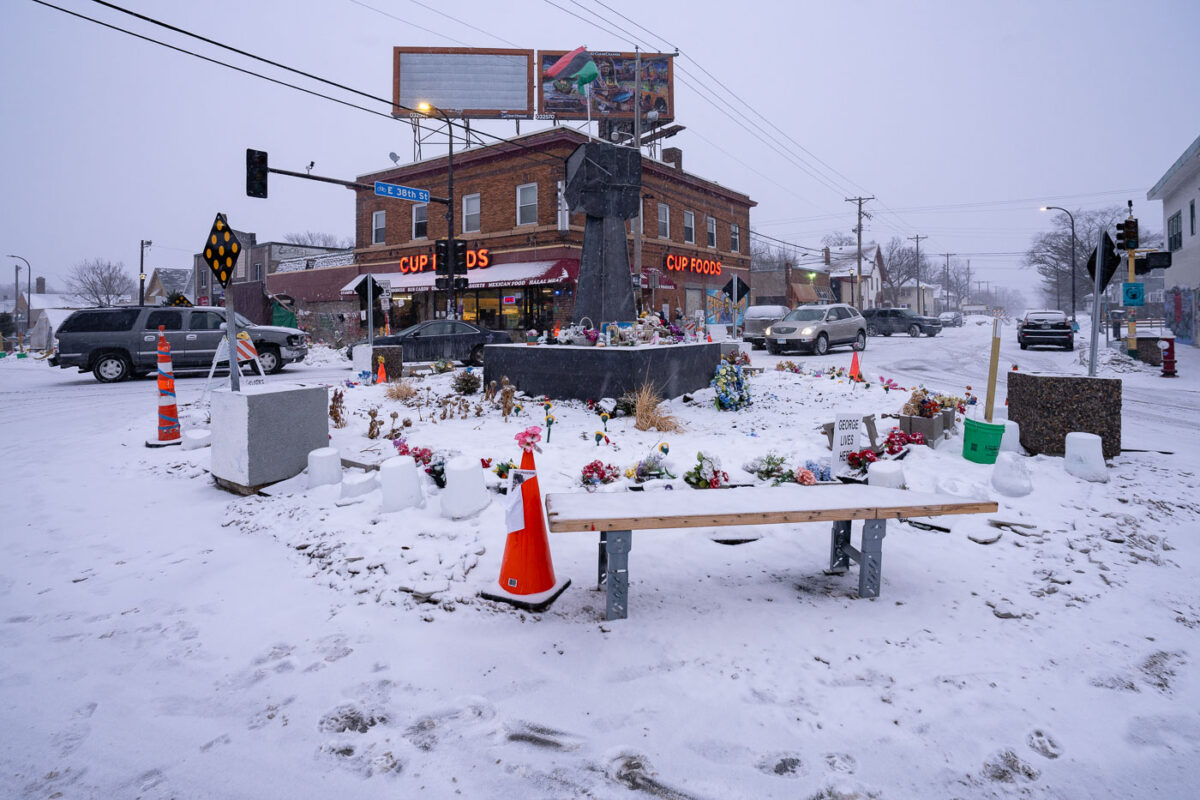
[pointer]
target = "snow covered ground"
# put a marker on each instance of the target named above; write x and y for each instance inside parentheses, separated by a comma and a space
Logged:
(162, 638)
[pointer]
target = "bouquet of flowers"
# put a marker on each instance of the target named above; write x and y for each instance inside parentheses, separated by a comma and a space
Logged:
(805, 477)
(820, 470)
(501, 469)
(528, 439)
(732, 393)
(442, 365)
(741, 358)
(650, 468)
(597, 472)
(897, 440)
(768, 467)
(706, 474)
(862, 459)
(421, 455)
(788, 366)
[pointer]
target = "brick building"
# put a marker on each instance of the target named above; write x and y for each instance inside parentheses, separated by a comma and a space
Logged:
(524, 244)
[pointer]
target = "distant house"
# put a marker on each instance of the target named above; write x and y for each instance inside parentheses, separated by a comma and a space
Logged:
(1179, 191)
(843, 263)
(46, 311)
(164, 282)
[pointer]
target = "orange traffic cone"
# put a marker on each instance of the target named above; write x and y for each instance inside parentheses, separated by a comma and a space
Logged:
(527, 460)
(168, 413)
(382, 376)
(527, 571)
(855, 372)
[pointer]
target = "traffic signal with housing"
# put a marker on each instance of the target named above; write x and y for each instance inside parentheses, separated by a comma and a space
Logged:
(1131, 234)
(1157, 260)
(1121, 236)
(442, 284)
(460, 284)
(460, 257)
(256, 173)
(441, 257)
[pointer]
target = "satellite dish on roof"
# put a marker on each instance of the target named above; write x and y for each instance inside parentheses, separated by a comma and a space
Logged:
(395, 158)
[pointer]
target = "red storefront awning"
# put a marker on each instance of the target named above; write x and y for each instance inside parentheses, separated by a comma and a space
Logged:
(521, 273)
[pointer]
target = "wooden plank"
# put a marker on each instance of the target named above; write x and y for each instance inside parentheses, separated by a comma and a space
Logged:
(777, 505)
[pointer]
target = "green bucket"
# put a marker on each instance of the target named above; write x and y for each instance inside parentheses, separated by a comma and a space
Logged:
(981, 441)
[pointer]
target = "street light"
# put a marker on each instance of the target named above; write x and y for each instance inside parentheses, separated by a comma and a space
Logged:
(426, 108)
(1073, 266)
(17, 291)
(142, 272)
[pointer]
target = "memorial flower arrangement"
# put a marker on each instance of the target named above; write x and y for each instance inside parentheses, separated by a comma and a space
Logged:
(501, 469)
(920, 404)
(787, 366)
(652, 467)
(820, 470)
(706, 473)
(597, 472)
(422, 455)
(741, 358)
(862, 459)
(949, 402)
(768, 467)
(805, 477)
(442, 365)
(528, 439)
(732, 393)
(897, 440)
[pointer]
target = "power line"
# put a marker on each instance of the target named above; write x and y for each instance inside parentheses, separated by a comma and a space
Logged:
(409, 22)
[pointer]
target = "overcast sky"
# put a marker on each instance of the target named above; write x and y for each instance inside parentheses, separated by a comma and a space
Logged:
(960, 117)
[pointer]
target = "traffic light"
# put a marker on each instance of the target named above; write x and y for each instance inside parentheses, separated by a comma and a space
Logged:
(442, 284)
(1131, 234)
(460, 257)
(460, 284)
(441, 257)
(1156, 260)
(256, 173)
(1121, 236)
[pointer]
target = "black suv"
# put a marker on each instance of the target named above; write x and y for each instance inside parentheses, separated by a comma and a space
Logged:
(118, 343)
(886, 321)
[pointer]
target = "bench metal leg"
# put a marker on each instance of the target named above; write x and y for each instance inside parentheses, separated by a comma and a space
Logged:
(614, 572)
(870, 565)
(839, 542)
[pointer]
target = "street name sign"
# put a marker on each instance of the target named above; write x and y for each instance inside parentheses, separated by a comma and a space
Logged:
(401, 192)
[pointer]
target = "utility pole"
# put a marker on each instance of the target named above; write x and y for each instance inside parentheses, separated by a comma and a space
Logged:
(637, 143)
(858, 281)
(918, 239)
(946, 280)
(985, 283)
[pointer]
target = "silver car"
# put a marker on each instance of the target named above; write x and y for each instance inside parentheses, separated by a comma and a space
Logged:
(757, 320)
(815, 329)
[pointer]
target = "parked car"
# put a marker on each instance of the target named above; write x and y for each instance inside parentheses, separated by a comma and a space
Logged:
(756, 320)
(817, 328)
(886, 321)
(1045, 327)
(451, 339)
(122, 342)
(951, 319)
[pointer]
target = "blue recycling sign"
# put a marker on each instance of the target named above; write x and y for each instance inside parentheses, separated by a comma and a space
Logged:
(1134, 294)
(401, 192)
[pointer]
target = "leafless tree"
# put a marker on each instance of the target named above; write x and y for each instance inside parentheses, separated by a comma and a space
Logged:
(900, 267)
(100, 282)
(319, 239)
(1050, 253)
(838, 239)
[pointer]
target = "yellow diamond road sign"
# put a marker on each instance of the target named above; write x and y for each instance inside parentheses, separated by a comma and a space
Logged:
(221, 251)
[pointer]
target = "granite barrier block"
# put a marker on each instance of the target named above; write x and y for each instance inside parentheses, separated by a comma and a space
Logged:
(1048, 407)
(393, 360)
(571, 372)
(263, 434)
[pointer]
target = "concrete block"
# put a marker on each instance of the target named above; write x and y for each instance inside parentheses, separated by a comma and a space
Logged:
(1048, 407)
(263, 434)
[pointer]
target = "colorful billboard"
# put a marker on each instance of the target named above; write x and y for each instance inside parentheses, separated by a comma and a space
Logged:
(463, 81)
(720, 310)
(613, 92)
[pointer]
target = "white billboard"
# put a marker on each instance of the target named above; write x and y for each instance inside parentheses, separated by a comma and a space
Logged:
(464, 81)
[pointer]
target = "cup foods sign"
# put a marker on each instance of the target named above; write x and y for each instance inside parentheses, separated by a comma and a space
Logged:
(421, 262)
(700, 266)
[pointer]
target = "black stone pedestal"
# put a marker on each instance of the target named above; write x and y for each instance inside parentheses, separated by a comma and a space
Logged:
(571, 372)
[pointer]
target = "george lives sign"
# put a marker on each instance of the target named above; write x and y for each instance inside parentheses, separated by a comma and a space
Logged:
(421, 262)
(700, 266)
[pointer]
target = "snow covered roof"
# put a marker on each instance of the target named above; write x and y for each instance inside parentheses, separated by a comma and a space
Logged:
(174, 280)
(843, 259)
(56, 300)
(301, 263)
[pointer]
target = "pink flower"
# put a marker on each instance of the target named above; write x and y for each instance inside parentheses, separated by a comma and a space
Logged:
(805, 477)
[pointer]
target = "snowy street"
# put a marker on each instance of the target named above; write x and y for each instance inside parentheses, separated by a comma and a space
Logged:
(166, 639)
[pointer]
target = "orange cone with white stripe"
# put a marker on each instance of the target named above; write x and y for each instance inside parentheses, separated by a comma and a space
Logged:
(382, 376)
(527, 571)
(168, 412)
(855, 372)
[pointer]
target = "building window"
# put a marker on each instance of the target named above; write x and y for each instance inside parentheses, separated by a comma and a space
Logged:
(689, 227)
(1192, 213)
(378, 223)
(470, 213)
(735, 239)
(711, 225)
(527, 204)
(1175, 231)
(420, 228)
(664, 221)
(258, 272)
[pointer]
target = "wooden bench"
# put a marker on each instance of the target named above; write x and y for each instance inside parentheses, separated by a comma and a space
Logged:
(615, 515)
